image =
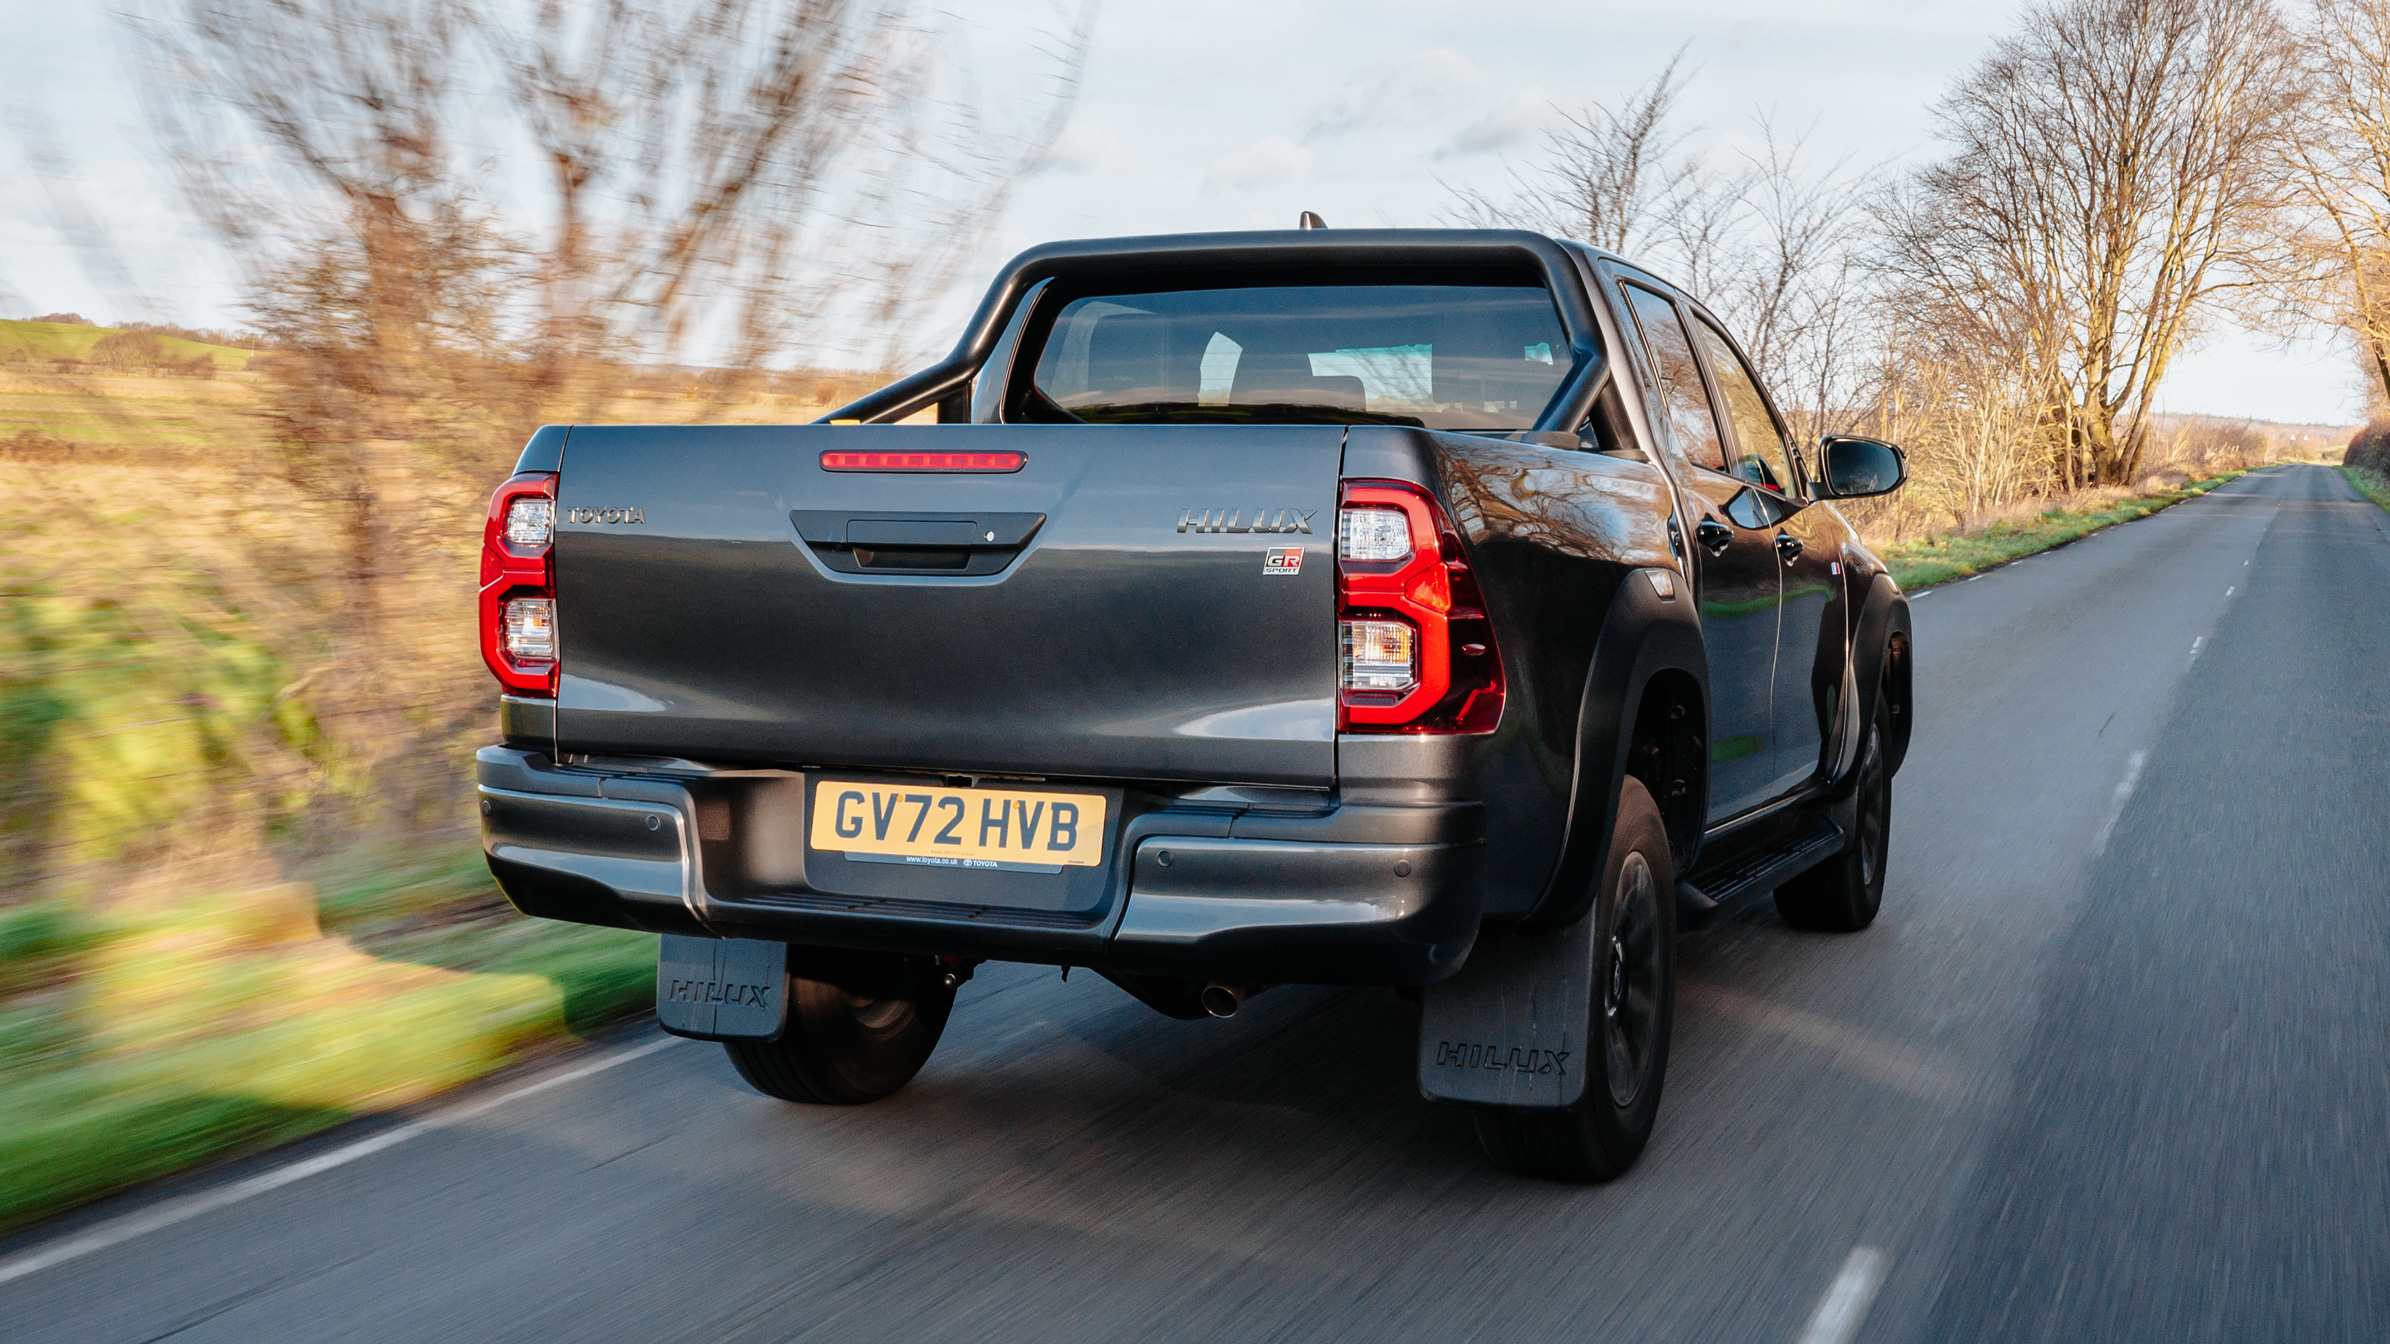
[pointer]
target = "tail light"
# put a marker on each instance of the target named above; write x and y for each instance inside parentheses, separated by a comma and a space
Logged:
(1415, 652)
(518, 584)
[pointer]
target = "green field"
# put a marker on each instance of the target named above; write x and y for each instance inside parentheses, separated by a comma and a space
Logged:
(42, 341)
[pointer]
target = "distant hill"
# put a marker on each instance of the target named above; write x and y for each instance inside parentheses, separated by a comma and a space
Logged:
(63, 340)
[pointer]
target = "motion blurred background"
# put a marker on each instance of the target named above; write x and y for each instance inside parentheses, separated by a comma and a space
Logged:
(288, 283)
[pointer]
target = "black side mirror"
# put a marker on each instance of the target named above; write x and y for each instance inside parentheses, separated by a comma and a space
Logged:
(1850, 467)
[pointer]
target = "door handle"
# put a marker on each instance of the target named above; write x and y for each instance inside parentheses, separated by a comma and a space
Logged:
(1713, 535)
(1788, 546)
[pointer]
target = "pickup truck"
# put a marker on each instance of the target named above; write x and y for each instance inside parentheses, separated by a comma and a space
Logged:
(1442, 610)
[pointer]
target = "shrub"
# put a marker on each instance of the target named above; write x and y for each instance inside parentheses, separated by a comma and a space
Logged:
(2370, 449)
(69, 319)
(127, 350)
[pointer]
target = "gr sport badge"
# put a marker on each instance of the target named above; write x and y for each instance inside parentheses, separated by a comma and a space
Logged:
(1283, 560)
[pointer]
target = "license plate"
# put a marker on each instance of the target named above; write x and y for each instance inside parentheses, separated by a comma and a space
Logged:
(999, 829)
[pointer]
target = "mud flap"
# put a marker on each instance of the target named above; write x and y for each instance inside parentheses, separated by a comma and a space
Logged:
(1510, 1030)
(718, 989)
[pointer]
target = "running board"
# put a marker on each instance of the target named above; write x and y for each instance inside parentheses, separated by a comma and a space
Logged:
(1731, 891)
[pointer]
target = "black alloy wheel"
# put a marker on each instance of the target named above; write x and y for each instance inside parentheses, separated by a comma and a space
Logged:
(1632, 976)
(1629, 1011)
(855, 1040)
(1844, 894)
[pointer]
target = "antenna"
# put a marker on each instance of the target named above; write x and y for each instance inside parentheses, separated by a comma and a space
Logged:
(1310, 221)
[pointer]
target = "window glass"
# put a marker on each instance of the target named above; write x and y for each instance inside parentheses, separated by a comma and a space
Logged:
(1462, 357)
(1695, 426)
(1759, 449)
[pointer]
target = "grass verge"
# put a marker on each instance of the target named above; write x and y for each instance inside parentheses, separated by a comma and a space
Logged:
(1939, 559)
(2373, 487)
(135, 1045)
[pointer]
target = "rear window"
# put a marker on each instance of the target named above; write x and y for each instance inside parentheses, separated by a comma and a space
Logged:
(1443, 356)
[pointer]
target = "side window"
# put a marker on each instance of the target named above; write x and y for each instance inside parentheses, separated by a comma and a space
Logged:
(1759, 450)
(1695, 426)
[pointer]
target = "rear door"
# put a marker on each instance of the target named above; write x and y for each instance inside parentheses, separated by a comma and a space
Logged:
(1133, 602)
(1810, 635)
(1737, 571)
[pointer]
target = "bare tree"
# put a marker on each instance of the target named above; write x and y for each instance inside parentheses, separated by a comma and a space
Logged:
(459, 219)
(2340, 160)
(1790, 284)
(2110, 189)
(1619, 176)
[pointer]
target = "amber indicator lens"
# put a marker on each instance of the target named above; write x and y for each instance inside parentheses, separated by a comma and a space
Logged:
(857, 461)
(1378, 655)
(531, 629)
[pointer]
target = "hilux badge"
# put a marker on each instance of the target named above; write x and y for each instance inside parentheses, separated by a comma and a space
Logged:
(1283, 560)
(1233, 520)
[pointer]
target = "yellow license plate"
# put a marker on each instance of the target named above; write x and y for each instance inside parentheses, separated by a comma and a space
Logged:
(958, 828)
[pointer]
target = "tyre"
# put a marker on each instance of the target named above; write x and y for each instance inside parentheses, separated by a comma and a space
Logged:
(853, 1041)
(1843, 894)
(1630, 1011)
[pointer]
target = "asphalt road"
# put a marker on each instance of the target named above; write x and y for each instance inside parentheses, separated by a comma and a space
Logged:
(2110, 1066)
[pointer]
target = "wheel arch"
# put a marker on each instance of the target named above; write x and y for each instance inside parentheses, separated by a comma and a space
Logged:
(1645, 714)
(1880, 662)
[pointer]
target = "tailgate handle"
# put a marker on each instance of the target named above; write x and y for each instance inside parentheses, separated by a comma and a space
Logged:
(919, 543)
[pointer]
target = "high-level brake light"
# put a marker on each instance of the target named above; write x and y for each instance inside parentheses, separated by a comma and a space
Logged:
(908, 462)
(518, 585)
(1415, 650)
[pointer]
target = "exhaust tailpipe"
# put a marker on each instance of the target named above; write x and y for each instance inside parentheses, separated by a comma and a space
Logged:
(1223, 1000)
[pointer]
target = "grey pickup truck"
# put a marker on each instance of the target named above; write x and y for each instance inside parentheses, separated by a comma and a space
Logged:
(1448, 611)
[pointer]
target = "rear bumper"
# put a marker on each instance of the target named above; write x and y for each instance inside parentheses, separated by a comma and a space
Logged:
(1385, 895)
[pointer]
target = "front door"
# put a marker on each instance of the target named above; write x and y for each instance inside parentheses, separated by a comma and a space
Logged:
(1736, 572)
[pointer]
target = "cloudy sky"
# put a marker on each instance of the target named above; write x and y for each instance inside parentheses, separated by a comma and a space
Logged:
(1230, 114)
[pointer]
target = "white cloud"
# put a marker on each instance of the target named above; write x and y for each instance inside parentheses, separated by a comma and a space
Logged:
(1518, 118)
(1088, 146)
(1434, 84)
(1267, 164)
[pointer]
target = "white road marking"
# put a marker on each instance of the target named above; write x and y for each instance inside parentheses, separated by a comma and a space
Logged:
(120, 1230)
(2233, 589)
(2124, 791)
(1973, 577)
(1846, 1301)
(2194, 651)
(1919, 597)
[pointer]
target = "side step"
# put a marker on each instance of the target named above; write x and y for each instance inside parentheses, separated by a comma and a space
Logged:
(1730, 891)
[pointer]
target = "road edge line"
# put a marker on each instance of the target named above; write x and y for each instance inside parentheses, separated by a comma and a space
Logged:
(118, 1231)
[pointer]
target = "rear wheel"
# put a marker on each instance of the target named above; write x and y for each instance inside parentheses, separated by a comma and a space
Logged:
(853, 1041)
(1843, 894)
(1630, 1010)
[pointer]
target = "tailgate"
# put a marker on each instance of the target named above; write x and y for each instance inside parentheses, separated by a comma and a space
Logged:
(720, 595)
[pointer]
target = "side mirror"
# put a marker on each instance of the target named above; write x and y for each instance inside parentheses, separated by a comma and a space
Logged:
(1850, 467)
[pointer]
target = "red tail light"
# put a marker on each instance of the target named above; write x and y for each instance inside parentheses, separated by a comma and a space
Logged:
(1419, 604)
(518, 584)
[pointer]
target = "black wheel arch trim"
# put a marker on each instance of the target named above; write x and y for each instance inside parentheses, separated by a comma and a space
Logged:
(1643, 636)
(1883, 619)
